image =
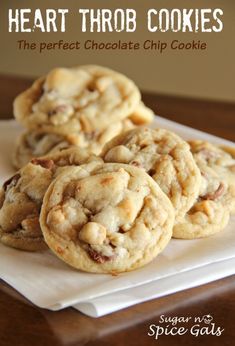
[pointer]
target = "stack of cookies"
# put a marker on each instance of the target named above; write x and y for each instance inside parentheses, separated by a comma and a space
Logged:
(85, 107)
(107, 206)
(198, 177)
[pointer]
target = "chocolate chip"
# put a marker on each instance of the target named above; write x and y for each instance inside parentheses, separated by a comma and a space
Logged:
(91, 88)
(58, 109)
(135, 163)
(13, 181)
(48, 164)
(98, 257)
(52, 112)
(151, 172)
(216, 194)
(121, 230)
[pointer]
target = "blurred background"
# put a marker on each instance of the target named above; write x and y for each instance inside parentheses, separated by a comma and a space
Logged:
(205, 74)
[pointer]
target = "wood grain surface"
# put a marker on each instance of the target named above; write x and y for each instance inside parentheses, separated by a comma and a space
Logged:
(21, 323)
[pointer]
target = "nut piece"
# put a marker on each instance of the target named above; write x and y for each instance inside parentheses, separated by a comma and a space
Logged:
(119, 153)
(93, 233)
(13, 180)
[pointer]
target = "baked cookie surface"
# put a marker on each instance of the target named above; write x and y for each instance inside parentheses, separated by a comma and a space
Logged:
(87, 98)
(165, 157)
(210, 213)
(38, 143)
(22, 195)
(205, 218)
(106, 218)
(221, 159)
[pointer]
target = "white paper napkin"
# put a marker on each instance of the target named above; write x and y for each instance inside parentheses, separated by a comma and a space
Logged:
(109, 303)
(51, 284)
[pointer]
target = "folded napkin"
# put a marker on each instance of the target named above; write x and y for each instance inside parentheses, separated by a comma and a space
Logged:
(109, 303)
(49, 283)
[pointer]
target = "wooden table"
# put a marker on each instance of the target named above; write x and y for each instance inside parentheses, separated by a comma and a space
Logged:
(21, 323)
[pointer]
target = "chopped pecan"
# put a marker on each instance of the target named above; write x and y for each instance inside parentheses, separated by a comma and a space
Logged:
(212, 196)
(13, 181)
(48, 164)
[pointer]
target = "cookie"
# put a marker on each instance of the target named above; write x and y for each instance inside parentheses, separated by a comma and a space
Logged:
(229, 171)
(222, 161)
(210, 213)
(38, 143)
(142, 115)
(164, 156)
(87, 98)
(106, 218)
(204, 219)
(21, 198)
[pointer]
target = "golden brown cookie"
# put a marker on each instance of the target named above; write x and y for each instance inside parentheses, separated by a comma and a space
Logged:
(164, 156)
(221, 159)
(210, 213)
(39, 143)
(21, 198)
(86, 98)
(205, 218)
(106, 218)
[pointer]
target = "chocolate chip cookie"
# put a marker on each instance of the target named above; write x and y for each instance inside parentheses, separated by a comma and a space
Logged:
(210, 213)
(21, 198)
(165, 157)
(87, 98)
(39, 143)
(106, 218)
